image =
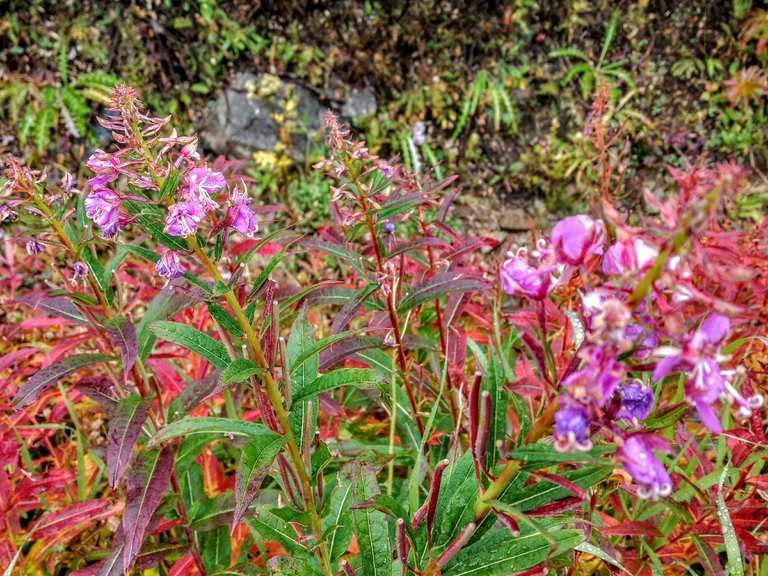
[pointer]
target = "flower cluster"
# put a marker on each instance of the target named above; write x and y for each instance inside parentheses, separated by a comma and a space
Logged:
(137, 169)
(643, 319)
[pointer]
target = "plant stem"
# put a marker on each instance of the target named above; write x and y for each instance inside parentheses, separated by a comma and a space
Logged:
(276, 400)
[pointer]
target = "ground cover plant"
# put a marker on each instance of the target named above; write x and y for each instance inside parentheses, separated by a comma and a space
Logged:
(192, 386)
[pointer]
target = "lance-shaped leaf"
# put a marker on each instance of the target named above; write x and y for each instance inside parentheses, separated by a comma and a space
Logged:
(78, 516)
(357, 377)
(124, 429)
(166, 304)
(371, 526)
(271, 527)
(57, 305)
(151, 219)
(311, 353)
(343, 350)
(190, 447)
(349, 309)
(216, 548)
(240, 370)
(301, 341)
(228, 427)
(146, 487)
(438, 286)
(43, 379)
(502, 553)
(255, 460)
(122, 334)
(192, 339)
(195, 392)
(337, 523)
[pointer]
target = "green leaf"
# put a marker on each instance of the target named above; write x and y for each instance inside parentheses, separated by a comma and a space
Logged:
(300, 341)
(732, 550)
(169, 186)
(255, 459)
(310, 353)
(456, 502)
(371, 526)
(609, 35)
(190, 447)
(357, 377)
(494, 382)
(194, 425)
(272, 527)
(544, 492)
(166, 304)
(338, 522)
(240, 370)
(216, 548)
(225, 319)
(602, 554)
(502, 553)
(212, 350)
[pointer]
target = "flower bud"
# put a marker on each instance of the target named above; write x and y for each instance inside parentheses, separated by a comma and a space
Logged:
(576, 238)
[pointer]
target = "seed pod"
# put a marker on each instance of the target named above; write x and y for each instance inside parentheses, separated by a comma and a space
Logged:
(474, 407)
(347, 569)
(509, 522)
(286, 378)
(402, 544)
(434, 492)
(481, 440)
(456, 544)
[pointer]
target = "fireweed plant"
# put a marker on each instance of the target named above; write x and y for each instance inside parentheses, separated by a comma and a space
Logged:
(594, 399)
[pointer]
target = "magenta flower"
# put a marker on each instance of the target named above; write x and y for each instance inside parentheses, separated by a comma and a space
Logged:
(201, 185)
(700, 358)
(519, 278)
(629, 256)
(169, 266)
(34, 247)
(598, 379)
(102, 206)
(240, 215)
(571, 428)
(575, 238)
(103, 164)
(79, 272)
(639, 460)
(183, 218)
(635, 401)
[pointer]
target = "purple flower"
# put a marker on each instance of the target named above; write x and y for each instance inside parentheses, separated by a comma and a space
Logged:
(34, 247)
(572, 428)
(418, 133)
(598, 379)
(389, 227)
(700, 358)
(575, 238)
(641, 463)
(629, 256)
(201, 185)
(240, 215)
(521, 279)
(182, 218)
(102, 206)
(635, 400)
(103, 164)
(79, 271)
(169, 265)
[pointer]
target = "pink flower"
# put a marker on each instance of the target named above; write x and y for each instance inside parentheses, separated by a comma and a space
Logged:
(575, 238)
(102, 206)
(571, 428)
(169, 265)
(240, 215)
(521, 279)
(183, 218)
(700, 357)
(201, 185)
(642, 464)
(629, 256)
(34, 247)
(598, 379)
(79, 272)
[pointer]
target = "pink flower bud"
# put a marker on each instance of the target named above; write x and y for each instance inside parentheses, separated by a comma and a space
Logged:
(576, 238)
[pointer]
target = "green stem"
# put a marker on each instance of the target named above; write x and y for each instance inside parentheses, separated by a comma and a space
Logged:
(276, 400)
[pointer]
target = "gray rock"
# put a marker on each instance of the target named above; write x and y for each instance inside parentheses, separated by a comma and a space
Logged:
(513, 220)
(359, 104)
(263, 113)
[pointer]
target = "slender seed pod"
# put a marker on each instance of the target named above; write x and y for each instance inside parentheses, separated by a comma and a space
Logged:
(320, 489)
(305, 438)
(474, 407)
(347, 569)
(434, 492)
(456, 544)
(286, 377)
(285, 473)
(419, 516)
(509, 522)
(483, 430)
(403, 545)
